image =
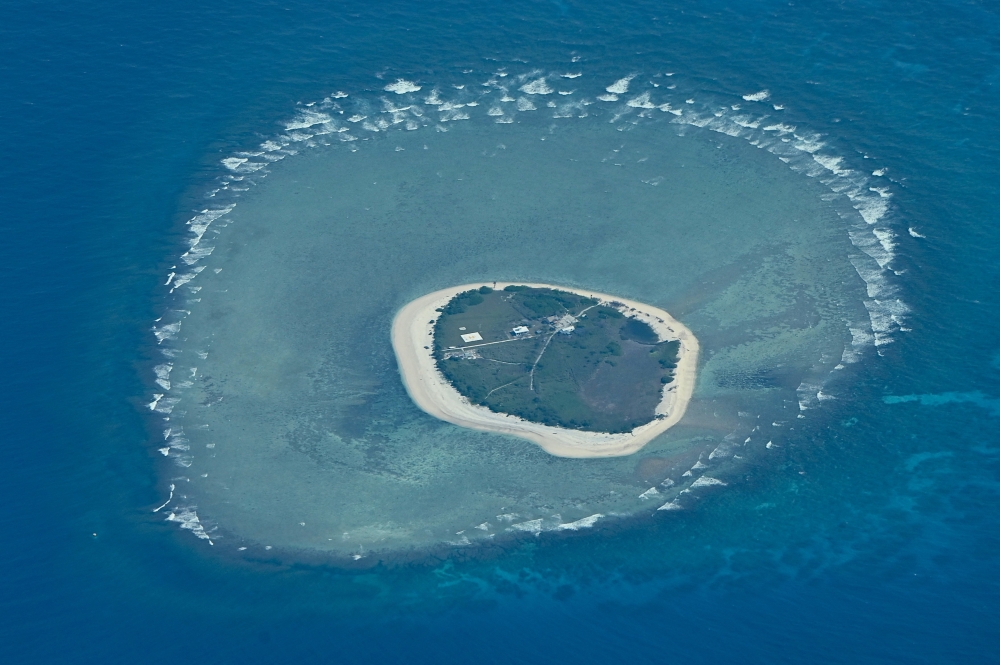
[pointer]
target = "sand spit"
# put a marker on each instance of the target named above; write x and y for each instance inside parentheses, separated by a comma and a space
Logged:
(412, 335)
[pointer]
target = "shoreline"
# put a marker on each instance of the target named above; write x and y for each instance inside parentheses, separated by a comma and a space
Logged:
(413, 328)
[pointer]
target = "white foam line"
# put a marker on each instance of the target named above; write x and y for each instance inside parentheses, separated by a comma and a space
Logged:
(585, 523)
(307, 119)
(162, 373)
(402, 87)
(537, 87)
(705, 481)
(641, 102)
(804, 152)
(620, 86)
(531, 526)
(199, 223)
(757, 96)
(525, 104)
(187, 518)
(169, 499)
(181, 280)
(166, 331)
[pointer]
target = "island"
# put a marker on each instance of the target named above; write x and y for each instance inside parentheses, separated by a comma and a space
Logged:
(580, 373)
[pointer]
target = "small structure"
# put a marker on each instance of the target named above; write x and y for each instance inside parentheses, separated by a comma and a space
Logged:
(568, 330)
(518, 331)
(471, 337)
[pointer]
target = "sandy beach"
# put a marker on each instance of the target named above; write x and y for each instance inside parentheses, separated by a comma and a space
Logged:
(412, 337)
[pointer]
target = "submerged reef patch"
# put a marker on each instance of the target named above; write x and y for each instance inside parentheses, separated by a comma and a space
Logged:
(285, 422)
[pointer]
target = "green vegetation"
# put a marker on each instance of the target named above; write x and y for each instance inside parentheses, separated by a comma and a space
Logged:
(573, 362)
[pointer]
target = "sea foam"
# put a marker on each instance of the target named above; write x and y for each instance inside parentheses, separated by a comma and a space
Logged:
(871, 231)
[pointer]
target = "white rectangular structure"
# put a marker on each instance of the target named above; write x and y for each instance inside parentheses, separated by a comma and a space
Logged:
(472, 337)
(520, 330)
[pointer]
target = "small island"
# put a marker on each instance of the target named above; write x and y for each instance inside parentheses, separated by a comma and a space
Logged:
(582, 374)
(553, 357)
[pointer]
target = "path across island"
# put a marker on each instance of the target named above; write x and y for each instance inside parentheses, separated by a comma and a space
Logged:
(436, 396)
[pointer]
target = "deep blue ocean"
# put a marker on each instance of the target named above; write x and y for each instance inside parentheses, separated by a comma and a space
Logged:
(883, 541)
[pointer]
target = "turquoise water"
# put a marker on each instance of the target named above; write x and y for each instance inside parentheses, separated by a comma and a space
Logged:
(866, 533)
(281, 404)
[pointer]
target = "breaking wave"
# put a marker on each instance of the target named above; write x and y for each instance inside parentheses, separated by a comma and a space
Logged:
(863, 200)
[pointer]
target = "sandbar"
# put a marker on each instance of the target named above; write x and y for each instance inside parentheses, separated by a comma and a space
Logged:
(412, 340)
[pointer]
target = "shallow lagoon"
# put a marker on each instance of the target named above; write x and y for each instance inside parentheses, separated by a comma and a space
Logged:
(883, 552)
(293, 430)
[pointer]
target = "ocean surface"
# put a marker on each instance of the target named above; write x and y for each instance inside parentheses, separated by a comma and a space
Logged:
(211, 213)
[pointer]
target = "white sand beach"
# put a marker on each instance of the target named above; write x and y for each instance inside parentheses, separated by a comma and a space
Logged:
(412, 340)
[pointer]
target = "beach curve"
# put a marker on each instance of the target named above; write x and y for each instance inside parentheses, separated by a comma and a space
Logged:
(412, 341)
